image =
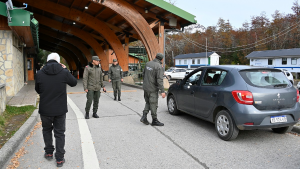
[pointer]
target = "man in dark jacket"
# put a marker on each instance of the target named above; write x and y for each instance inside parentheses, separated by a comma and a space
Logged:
(92, 83)
(51, 84)
(152, 84)
(115, 75)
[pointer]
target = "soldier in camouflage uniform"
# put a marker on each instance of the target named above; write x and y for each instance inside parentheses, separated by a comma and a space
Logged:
(152, 85)
(92, 83)
(115, 75)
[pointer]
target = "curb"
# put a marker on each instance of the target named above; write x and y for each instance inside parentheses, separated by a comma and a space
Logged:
(296, 129)
(134, 86)
(9, 148)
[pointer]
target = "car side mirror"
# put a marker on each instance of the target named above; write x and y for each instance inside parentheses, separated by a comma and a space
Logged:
(178, 81)
(173, 71)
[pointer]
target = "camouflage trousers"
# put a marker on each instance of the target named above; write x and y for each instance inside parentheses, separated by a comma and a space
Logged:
(116, 85)
(92, 96)
(151, 99)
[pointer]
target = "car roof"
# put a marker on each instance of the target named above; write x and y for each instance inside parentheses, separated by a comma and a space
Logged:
(237, 67)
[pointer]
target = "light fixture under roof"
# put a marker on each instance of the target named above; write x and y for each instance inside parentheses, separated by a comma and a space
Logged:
(74, 23)
(146, 10)
(86, 7)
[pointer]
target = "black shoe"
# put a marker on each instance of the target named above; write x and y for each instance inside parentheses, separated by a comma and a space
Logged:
(60, 163)
(119, 98)
(87, 116)
(48, 156)
(155, 122)
(95, 115)
(144, 119)
(115, 99)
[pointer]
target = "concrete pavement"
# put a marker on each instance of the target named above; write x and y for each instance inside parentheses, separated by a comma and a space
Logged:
(121, 141)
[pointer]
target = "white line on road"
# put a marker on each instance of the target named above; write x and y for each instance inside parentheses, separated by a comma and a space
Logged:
(89, 155)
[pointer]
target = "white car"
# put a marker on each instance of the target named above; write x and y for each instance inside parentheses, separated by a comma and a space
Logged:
(289, 75)
(298, 85)
(175, 73)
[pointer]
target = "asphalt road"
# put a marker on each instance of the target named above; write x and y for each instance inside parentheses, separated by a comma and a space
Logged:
(121, 141)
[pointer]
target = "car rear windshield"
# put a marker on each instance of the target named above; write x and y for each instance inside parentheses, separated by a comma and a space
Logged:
(265, 78)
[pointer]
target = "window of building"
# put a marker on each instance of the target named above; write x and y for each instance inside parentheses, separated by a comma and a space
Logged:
(198, 61)
(179, 62)
(294, 61)
(185, 62)
(193, 61)
(284, 61)
(270, 61)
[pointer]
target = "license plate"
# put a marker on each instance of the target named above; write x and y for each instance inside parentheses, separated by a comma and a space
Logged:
(278, 119)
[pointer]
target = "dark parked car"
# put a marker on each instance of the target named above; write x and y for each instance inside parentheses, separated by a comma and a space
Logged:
(237, 98)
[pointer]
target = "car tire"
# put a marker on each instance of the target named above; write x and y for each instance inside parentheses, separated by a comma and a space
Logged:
(225, 126)
(282, 130)
(172, 106)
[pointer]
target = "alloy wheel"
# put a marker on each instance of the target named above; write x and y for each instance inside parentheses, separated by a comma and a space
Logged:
(171, 105)
(223, 125)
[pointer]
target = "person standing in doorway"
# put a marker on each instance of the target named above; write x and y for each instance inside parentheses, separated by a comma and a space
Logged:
(152, 85)
(50, 83)
(115, 75)
(92, 84)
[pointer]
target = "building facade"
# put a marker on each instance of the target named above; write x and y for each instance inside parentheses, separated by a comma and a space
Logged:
(195, 60)
(288, 59)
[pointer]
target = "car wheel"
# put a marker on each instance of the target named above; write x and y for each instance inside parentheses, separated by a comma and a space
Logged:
(282, 130)
(225, 126)
(172, 106)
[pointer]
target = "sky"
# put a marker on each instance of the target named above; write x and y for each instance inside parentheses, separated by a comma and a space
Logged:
(208, 12)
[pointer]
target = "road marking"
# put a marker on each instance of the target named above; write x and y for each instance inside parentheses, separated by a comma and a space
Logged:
(123, 91)
(90, 159)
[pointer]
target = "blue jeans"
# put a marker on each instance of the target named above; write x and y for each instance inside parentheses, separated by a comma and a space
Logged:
(58, 124)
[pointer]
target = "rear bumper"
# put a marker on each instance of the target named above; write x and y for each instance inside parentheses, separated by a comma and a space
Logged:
(262, 119)
(253, 127)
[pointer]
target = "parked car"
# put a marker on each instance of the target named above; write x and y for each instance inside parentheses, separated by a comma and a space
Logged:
(175, 73)
(298, 85)
(188, 71)
(237, 98)
(289, 75)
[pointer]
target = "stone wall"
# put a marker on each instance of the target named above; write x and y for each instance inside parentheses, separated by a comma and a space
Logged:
(2, 98)
(11, 64)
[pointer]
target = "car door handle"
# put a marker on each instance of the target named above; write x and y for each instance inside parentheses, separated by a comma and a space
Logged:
(193, 92)
(214, 95)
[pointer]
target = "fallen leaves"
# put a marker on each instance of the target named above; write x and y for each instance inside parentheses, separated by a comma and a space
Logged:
(15, 160)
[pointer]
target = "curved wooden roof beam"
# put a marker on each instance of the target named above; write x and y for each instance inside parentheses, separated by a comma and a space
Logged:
(76, 32)
(66, 50)
(68, 46)
(92, 22)
(138, 22)
(77, 43)
(70, 62)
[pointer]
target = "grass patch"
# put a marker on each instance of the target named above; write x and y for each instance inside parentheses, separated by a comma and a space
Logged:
(12, 119)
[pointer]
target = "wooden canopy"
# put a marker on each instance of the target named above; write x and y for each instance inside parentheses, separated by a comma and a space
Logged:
(82, 28)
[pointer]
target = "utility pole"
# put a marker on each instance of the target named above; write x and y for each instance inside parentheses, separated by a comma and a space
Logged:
(173, 59)
(206, 53)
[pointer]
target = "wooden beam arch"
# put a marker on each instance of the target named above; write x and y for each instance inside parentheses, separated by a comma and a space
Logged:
(92, 22)
(63, 54)
(138, 22)
(68, 46)
(77, 43)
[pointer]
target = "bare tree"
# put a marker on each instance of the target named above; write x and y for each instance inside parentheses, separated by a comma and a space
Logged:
(173, 2)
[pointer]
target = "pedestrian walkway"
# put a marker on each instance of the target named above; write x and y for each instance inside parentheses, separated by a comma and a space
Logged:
(25, 97)
(118, 138)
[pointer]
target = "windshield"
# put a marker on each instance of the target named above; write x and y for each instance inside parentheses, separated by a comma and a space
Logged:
(268, 78)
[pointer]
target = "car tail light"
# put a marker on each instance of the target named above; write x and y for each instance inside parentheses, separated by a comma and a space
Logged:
(248, 124)
(297, 95)
(243, 97)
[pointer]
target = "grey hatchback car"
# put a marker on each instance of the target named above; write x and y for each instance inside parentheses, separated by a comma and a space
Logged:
(237, 97)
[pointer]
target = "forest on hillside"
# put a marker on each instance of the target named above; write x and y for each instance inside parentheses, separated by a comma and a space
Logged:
(233, 44)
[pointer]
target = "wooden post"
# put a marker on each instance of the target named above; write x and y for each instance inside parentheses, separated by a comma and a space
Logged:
(161, 36)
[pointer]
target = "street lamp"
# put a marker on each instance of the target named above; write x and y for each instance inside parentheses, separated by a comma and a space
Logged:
(168, 30)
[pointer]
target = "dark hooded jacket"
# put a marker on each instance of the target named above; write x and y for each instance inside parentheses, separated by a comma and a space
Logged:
(51, 83)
